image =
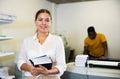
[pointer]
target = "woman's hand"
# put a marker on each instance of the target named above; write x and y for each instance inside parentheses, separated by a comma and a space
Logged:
(33, 71)
(43, 70)
(39, 70)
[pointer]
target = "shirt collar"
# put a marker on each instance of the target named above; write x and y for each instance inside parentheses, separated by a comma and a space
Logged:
(35, 37)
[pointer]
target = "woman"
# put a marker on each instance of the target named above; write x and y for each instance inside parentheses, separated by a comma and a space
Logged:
(42, 43)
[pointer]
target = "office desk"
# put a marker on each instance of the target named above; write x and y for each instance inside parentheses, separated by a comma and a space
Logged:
(79, 72)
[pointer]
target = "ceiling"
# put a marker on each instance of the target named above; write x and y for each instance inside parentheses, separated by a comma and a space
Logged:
(67, 1)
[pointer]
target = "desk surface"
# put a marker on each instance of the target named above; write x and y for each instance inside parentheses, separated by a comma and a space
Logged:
(93, 71)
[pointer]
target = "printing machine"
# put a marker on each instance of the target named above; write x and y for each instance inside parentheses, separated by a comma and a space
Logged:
(103, 62)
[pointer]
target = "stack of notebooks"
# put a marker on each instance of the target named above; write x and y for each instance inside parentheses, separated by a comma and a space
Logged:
(42, 60)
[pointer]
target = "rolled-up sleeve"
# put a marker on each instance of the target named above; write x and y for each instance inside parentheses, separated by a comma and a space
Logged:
(21, 59)
(60, 57)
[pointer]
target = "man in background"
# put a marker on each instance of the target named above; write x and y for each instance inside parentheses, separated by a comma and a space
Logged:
(95, 44)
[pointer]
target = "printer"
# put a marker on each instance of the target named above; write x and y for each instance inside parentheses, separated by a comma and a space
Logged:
(103, 62)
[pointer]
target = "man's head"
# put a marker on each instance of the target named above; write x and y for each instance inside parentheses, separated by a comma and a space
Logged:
(91, 32)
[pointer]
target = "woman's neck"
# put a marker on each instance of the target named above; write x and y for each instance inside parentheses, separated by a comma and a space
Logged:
(40, 34)
(42, 37)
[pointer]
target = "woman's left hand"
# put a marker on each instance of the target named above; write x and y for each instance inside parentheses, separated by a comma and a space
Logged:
(43, 70)
(40, 70)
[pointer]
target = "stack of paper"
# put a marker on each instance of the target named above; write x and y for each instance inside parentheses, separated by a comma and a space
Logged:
(80, 60)
(3, 72)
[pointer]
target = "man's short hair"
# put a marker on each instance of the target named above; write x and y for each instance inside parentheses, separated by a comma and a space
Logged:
(91, 29)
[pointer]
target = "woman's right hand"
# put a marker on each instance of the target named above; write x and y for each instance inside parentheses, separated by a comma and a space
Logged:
(36, 70)
(33, 71)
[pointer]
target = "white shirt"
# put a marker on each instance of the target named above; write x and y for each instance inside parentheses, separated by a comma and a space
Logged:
(53, 47)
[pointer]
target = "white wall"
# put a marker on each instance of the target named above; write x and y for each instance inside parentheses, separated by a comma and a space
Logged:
(22, 27)
(74, 18)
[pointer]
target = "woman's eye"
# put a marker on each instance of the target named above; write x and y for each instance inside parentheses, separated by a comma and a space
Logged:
(47, 20)
(40, 19)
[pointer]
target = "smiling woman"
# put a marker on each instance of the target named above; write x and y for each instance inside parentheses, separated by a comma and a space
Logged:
(43, 23)
(42, 43)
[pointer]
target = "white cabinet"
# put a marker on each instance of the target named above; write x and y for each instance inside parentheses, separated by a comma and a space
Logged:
(2, 38)
(4, 19)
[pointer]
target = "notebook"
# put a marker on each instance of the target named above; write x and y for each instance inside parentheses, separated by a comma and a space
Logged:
(44, 60)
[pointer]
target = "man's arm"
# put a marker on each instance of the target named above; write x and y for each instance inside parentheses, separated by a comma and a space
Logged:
(86, 50)
(105, 48)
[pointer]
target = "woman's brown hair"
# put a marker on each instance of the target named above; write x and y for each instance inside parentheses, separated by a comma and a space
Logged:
(43, 11)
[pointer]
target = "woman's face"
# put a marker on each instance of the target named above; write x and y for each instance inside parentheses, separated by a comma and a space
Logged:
(43, 22)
